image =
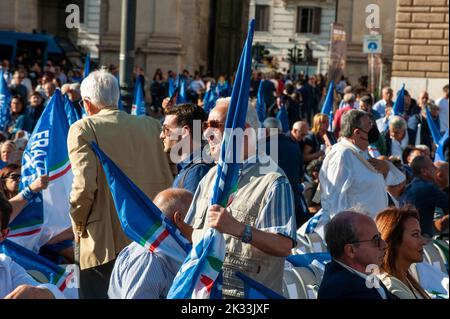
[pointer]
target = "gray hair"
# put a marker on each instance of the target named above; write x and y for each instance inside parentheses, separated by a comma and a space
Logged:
(397, 122)
(340, 231)
(102, 89)
(351, 120)
(349, 98)
(272, 122)
(252, 116)
(75, 87)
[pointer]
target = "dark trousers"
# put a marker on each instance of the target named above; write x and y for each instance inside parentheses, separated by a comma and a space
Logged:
(94, 282)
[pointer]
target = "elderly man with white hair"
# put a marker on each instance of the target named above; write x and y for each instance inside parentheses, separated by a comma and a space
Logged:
(258, 223)
(133, 144)
(397, 137)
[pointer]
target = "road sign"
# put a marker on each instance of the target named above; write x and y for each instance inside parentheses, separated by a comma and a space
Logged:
(372, 44)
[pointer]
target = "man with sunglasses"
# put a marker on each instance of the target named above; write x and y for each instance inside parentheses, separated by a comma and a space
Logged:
(181, 136)
(258, 222)
(357, 251)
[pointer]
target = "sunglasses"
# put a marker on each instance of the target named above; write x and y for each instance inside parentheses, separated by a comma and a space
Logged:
(15, 177)
(376, 240)
(212, 124)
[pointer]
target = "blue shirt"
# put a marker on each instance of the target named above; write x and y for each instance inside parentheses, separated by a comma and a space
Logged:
(425, 196)
(140, 274)
(190, 172)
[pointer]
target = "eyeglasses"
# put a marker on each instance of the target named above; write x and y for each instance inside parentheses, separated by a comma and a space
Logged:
(15, 177)
(376, 240)
(212, 124)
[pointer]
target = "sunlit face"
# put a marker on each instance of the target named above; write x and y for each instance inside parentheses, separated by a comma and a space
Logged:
(168, 132)
(16, 106)
(397, 134)
(387, 94)
(214, 129)
(423, 98)
(35, 100)
(411, 248)
(12, 181)
(7, 152)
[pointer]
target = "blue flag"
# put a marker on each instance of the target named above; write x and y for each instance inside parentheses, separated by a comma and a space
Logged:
(306, 260)
(261, 104)
(399, 105)
(224, 89)
(283, 117)
(433, 129)
(141, 220)
(328, 107)
(440, 157)
(172, 87)
(72, 115)
(209, 101)
(87, 66)
(5, 100)
(33, 263)
(256, 290)
(46, 215)
(139, 108)
(199, 276)
(182, 90)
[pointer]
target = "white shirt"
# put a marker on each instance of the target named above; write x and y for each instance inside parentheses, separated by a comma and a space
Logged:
(346, 182)
(398, 147)
(443, 113)
(12, 275)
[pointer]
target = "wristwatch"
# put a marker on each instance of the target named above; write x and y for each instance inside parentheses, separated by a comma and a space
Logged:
(247, 234)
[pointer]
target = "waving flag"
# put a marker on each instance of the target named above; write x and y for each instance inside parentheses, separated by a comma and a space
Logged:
(399, 105)
(87, 66)
(36, 265)
(47, 215)
(5, 99)
(261, 104)
(283, 117)
(433, 129)
(182, 90)
(172, 87)
(305, 260)
(198, 276)
(440, 157)
(209, 101)
(327, 107)
(256, 290)
(138, 107)
(72, 115)
(141, 220)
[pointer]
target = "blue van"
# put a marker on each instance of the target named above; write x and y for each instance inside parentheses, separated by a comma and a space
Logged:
(30, 47)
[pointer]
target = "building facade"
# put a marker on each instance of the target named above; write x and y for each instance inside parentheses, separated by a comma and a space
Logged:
(421, 46)
(282, 24)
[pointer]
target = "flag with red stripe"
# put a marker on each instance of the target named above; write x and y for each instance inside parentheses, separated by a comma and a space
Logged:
(141, 220)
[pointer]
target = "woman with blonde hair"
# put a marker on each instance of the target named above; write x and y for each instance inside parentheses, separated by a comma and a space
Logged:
(400, 229)
(319, 139)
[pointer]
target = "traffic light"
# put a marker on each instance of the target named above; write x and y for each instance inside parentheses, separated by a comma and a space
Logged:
(300, 55)
(291, 55)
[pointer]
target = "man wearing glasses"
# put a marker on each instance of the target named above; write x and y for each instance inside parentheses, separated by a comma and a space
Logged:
(133, 144)
(357, 251)
(182, 138)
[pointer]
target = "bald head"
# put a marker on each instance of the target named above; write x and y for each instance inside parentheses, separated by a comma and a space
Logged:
(173, 200)
(300, 130)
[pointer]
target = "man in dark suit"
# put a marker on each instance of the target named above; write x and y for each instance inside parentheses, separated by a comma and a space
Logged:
(357, 251)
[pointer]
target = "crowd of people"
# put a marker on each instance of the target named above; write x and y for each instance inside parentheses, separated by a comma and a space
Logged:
(370, 174)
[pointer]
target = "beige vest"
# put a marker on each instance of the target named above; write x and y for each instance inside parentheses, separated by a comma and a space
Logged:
(246, 207)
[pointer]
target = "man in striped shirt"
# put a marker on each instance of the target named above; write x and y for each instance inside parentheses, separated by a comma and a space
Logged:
(141, 274)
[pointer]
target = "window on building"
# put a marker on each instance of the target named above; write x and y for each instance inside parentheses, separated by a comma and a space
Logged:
(262, 18)
(308, 20)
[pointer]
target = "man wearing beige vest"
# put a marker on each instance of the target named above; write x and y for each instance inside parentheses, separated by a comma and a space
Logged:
(259, 223)
(133, 144)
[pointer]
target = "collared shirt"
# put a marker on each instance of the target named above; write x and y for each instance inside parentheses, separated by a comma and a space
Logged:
(140, 274)
(13, 275)
(380, 107)
(277, 215)
(365, 277)
(346, 182)
(190, 172)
